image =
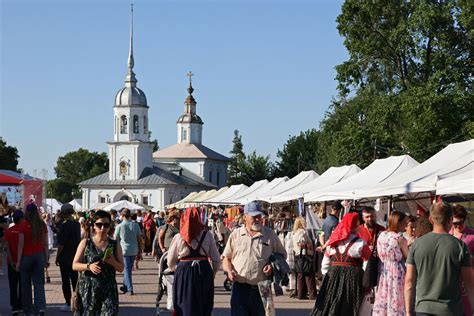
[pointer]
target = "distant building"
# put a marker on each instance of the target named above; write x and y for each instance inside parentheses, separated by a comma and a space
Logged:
(138, 175)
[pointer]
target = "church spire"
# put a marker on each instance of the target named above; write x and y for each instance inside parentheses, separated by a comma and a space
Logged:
(190, 103)
(130, 80)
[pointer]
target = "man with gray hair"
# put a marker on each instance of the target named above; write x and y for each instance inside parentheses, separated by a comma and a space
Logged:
(246, 261)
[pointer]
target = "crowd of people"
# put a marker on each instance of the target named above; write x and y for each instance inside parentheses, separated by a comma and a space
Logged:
(353, 266)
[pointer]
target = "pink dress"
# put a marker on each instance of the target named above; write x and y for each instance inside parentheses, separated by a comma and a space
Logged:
(389, 298)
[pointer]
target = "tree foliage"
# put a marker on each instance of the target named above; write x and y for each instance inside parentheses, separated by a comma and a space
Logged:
(74, 167)
(8, 156)
(298, 154)
(246, 169)
(237, 159)
(407, 85)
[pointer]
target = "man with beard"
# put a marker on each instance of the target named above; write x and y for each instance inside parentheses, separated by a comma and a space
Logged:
(246, 261)
(370, 229)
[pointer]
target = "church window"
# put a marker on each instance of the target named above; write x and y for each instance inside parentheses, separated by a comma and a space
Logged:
(102, 199)
(185, 134)
(123, 168)
(210, 176)
(145, 125)
(145, 200)
(217, 178)
(123, 124)
(135, 124)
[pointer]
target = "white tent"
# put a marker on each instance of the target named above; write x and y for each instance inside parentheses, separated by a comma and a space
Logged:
(52, 205)
(210, 194)
(234, 190)
(263, 190)
(99, 206)
(123, 204)
(236, 197)
(378, 171)
(461, 183)
(329, 177)
(423, 178)
(76, 204)
(298, 180)
(188, 197)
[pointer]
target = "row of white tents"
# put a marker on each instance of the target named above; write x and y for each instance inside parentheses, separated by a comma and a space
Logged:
(450, 171)
(53, 205)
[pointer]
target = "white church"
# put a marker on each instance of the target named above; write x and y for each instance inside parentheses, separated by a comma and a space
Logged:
(157, 179)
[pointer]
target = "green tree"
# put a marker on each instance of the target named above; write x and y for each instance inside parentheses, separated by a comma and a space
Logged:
(298, 154)
(255, 168)
(74, 167)
(407, 85)
(237, 160)
(8, 156)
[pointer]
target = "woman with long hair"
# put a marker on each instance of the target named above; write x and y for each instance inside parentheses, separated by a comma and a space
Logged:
(32, 259)
(189, 254)
(392, 249)
(341, 291)
(98, 258)
(303, 249)
(149, 231)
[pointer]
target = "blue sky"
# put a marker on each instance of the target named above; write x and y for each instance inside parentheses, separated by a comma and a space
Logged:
(265, 68)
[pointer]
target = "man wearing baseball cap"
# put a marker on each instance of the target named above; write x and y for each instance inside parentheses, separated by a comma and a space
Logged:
(246, 261)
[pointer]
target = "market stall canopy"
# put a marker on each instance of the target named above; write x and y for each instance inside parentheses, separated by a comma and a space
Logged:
(186, 198)
(234, 198)
(329, 177)
(123, 204)
(461, 183)
(99, 206)
(298, 180)
(234, 190)
(377, 172)
(424, 177)
(210, 194)
(263, 190)
(76, 204)
(52, 205)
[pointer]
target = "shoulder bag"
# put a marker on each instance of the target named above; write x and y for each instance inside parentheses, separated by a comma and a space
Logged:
(369, 279)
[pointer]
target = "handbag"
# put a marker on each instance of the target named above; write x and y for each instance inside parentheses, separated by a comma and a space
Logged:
(303, 264)
(75, 298)
(369, 279)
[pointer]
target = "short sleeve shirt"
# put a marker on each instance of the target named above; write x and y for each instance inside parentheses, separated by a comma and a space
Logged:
(438, 259)
(11, 237)
(31, 247)
(329, 224)
(69, 237)
(127, 233)
(249, 255)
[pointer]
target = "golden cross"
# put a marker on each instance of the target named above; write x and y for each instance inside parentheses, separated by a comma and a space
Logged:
(190, 75)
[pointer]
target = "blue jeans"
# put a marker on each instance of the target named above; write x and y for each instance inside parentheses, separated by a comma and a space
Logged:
(245, 300)
(32, 271)
(127, 272)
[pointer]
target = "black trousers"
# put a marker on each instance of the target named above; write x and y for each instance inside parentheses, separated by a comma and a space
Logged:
(15, 288)
(68, 278)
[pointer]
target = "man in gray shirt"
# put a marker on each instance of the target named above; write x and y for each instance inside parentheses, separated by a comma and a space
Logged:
(436, 265)
(129, 235)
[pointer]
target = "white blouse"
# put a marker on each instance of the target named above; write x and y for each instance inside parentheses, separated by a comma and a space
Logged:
(179, 249)
(355, 251)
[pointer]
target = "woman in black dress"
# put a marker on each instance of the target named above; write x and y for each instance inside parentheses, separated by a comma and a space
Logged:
(342, 292)
(190, 254)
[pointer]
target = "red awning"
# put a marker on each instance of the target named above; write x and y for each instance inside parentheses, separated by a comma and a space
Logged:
(4, 179)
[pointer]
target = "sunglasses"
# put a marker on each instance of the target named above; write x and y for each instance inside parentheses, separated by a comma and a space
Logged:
(458, 223)
(100, 225)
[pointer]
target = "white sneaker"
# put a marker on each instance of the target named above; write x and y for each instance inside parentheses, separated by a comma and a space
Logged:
(65, 308)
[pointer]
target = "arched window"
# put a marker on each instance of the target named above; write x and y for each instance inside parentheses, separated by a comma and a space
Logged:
(123, 124)
(145, 125)
(218, 178)
(135, 124)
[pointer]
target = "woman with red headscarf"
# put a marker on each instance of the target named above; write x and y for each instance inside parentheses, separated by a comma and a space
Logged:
(189, 255)
(341, 292)
(149, 229)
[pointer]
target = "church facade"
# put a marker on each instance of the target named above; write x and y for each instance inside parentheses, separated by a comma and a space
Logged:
(141, 176)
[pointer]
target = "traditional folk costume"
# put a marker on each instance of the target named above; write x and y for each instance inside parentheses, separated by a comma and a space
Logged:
(342, 292)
